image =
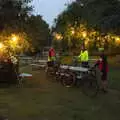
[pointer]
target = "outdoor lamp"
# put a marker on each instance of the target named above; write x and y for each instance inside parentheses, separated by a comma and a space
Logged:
(1, 45)
(72, 32)
(84, 34)
(14, 38)
(58, 36)
(117, 40)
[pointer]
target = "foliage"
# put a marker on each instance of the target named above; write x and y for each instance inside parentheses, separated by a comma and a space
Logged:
(78, 35)
(38, 31)
(97, 16)
(13, 44)
(14, 13)
(97, 13)
(102, 14)
(16, 18)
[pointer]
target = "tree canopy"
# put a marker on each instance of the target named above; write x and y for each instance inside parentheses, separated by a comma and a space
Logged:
(100, 20)
(16, 18)
(13, 13)
(38, 31)
(99, 14)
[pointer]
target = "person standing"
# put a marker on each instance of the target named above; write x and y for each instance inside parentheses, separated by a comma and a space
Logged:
(51, 55)
(102, 64)
(84, 57)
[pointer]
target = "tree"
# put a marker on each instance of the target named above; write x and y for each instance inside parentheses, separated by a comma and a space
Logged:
(98, 14)
(13, 13)
(111, 18)
(72, 14)
(16, 17)
(101, 16)
(38, 31)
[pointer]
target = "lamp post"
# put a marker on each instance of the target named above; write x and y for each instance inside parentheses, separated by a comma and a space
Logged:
(70, 36)
(84, 34)
(14, 38)
(13, 42)
(1, 46)
(58, 37)
(72, 31)
(117, 40)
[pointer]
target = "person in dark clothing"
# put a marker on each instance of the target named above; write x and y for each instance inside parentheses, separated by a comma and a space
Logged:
(103, 67)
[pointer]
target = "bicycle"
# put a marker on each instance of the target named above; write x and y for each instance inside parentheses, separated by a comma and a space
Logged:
(89, 83)
(51, 70)
(78, 76)
(66, 77)
(87, 80)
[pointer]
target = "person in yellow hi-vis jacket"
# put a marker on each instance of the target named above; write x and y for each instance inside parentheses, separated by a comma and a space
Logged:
(83, 57)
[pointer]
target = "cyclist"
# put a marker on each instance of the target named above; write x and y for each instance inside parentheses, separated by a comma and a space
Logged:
(84, 57)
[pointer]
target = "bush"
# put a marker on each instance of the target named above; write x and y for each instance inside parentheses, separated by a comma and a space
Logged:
(66, 59)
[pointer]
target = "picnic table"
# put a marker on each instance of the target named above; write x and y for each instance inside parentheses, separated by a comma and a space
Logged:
(26, 60)
(39, 61)
(93, 60)
(77, 69)
(42, 61)
(39, 64)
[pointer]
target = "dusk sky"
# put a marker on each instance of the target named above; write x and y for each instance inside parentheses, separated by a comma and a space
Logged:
(49, 9)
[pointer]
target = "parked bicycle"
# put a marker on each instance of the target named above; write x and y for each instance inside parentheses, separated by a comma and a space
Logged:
(84, 78)
(75, 75)
(51, 70)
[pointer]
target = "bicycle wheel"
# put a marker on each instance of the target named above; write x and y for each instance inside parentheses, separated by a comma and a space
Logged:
(68, 79)
(90, 86)
(57, 76)
(50, 74)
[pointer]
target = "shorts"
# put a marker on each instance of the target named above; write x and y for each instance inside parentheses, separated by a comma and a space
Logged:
(104, 77)
(85, 64)
(50, 63)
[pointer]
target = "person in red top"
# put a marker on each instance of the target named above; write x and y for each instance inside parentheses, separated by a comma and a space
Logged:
(103, 67)
(51, 55)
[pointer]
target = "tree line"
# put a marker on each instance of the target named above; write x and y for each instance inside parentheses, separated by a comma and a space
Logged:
(16, 17)
(99, 15)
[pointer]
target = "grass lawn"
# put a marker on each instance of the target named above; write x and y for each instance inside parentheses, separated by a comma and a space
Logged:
(41, 99)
